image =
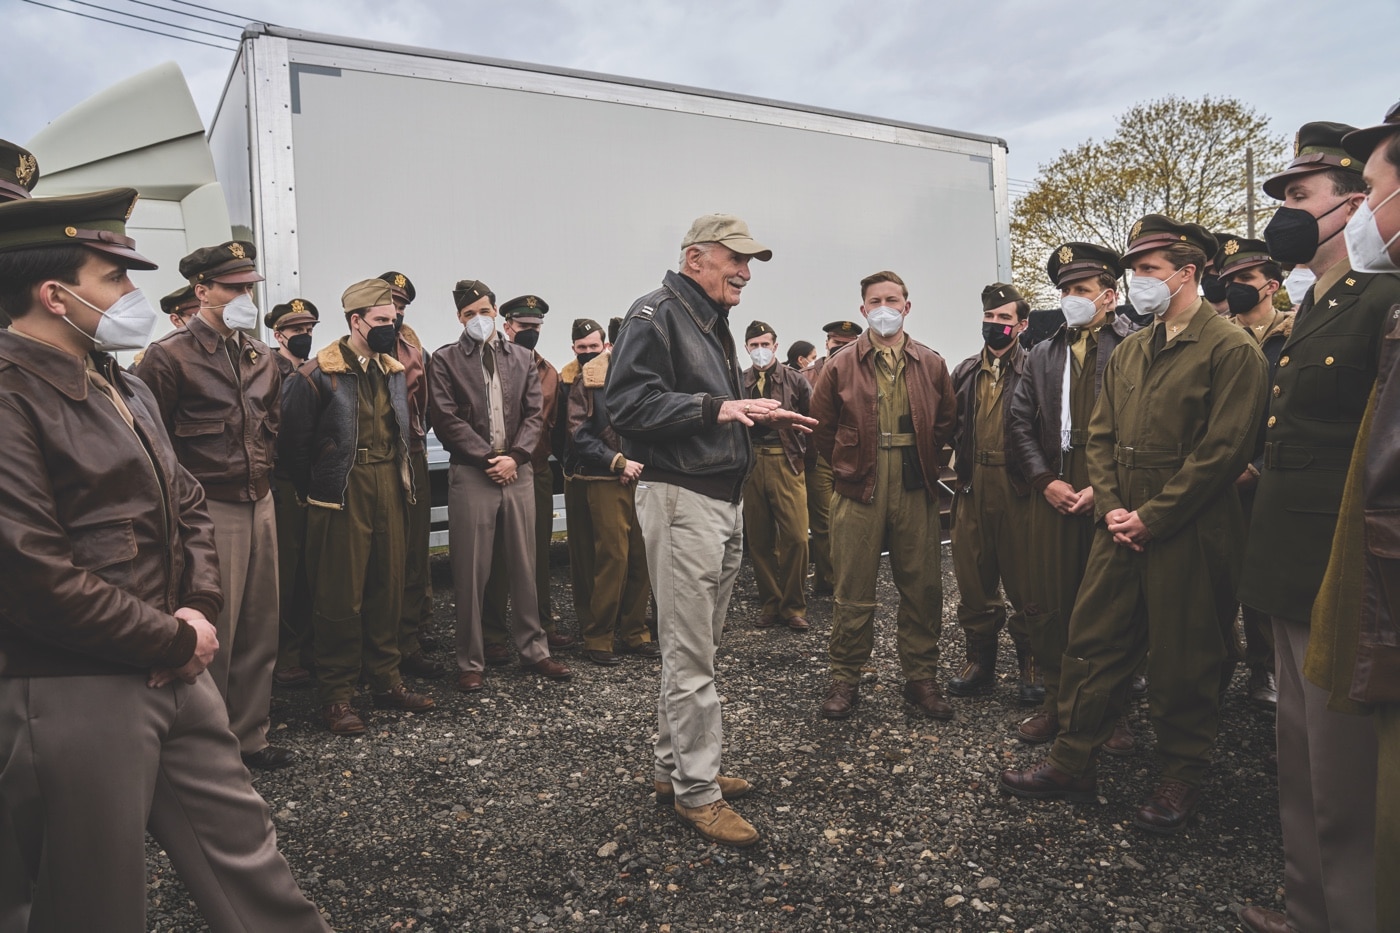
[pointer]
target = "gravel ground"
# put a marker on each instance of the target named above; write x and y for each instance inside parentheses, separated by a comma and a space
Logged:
(529, 806)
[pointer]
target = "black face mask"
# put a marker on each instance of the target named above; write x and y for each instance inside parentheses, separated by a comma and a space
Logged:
(398, 321)
(382, 339)
(299, 346)
(1292, 234)
(1242, 297)
(998, 336)
(585, 358)
(526, 338)
(1213, 288)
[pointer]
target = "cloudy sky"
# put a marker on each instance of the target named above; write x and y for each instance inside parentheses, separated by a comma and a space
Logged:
(1042, 75)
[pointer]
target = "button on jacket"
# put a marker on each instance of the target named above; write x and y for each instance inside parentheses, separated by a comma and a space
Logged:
(105, 535)
(460, 407)
(222, 423)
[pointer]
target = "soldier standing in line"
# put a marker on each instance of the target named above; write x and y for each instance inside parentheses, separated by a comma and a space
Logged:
(1049, 428)
(819, 487)
(992, 506)
(1174, 425)
(587, 345)
(775, 494)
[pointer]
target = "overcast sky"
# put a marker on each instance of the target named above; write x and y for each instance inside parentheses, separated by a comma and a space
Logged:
(1044, 76)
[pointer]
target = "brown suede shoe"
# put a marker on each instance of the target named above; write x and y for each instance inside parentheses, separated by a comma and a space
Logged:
(926, 697)
(1122, 742)
(341, 719)
(400, 697)
(548, 668)
(1256, 919)
(1169, 809)
(731, 787)
(798, 624)
(1047, 782)
(497, 655)
(470, 681)
(1039, 729)
(420, 665)
(841, 699)
(719, 823)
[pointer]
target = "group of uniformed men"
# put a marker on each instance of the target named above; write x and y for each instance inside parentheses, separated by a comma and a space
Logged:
(1129, 482)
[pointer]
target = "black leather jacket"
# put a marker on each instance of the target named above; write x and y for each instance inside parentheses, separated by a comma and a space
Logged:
(672, 366)
(964, 441)
(321, 422)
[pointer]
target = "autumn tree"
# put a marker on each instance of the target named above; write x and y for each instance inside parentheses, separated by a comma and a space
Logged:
(1182, 158)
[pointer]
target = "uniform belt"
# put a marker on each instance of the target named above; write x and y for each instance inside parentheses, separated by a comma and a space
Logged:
(990, 457)
(1148, 458)
(363, 455)
(886, 441)
(1288, 457)
(770, 449)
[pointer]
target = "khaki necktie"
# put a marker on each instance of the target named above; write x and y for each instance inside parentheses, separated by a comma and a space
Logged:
(762, 382)
(109, 390)
(1080, 348)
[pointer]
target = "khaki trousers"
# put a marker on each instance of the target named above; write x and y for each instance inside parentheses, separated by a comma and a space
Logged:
(476, 508)
(89, 765)
(1387, 720)
(694, 546)
(417, 606)
(819, 493)
(775, 520)
(906, 521)
(356, 558)
(990, 526)
(581, 548)
(494, 629)
(1327, 771)
(620, 588)
(294, 596)
(245, 537)
(1060, 545)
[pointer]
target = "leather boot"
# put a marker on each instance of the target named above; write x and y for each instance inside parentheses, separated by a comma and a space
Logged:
(1047, 782)
(1169, 809)
(1030, 686)
(1122, 742)
(841, 699)
(1039, 729)
(926, 697)
(978, 676)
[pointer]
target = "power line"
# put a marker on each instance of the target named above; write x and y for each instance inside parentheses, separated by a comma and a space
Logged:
(246, 19)
(226, 48)
(207, 19)
(147, 19)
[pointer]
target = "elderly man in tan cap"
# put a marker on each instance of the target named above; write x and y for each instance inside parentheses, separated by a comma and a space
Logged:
(345, 447)
(675, 396)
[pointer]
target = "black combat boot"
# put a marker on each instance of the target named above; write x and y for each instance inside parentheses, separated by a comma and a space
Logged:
(1030, 686)
(978, 676)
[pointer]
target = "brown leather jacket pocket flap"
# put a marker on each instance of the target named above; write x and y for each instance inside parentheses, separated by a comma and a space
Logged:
(198, 428)
(1383, 532)
(103, 545)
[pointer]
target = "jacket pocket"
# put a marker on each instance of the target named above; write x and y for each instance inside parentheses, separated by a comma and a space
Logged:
(1335, 387)
(845, 454)
(109, 551)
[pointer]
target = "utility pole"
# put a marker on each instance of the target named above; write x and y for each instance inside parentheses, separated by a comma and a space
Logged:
(1249, 189)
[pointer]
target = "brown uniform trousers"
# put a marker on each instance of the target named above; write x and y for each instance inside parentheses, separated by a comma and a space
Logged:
(775, 498)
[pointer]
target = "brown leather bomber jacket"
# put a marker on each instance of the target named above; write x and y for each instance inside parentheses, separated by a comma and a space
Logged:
(459, 406)
(845, 405)
(223, 425)
(104, 534)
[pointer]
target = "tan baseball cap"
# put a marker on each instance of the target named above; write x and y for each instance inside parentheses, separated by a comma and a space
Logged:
(728, 230)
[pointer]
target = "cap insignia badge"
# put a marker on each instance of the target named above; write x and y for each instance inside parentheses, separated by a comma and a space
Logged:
(298, 306)
(1066, 254)
(26, 168)
(237, 250)
(399, 280)
(1232, 247)
(1137, 228)
(530, 302)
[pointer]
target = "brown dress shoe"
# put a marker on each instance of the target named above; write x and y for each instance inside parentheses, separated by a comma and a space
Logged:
(927, 698)
(766, 621)
(400, 697)
(292, 677)
(1169, 808)
(470, 681)
(1122, 742)
(558, 641)
(719, 823)
(341, 719)
(841, 699)
(1039, 729)
(1047, 782)
(798, 624)
(602, 658)
(548, 668)
(1263, 690)
(731, 787)
(1256, 919)
(420, 665)
(497, 655)
(647, 649)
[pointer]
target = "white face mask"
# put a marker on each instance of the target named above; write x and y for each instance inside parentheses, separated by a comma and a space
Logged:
(1298, 282)
(1079, 310)
(762, 357)
(1152, 296)
(1367, 251)
(241, 313)
(885, 321)
(126, 325)
(481, 327)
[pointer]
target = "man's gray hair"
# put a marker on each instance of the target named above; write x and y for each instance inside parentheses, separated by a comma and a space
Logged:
(704, 248)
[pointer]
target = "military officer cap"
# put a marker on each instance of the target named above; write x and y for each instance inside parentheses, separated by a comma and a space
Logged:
(583, 327)
(179, 301)
(1359, 143)
(527, 309)
(758, 329)
(294, 312)
(97, 221)
(843, 329)
(1158, 231)
(614, 325)
(998, 294)
(729, 231)
(1072, 262)
(470, 291)
(1316, 148)
(228, 263)
(371, 293)
(19, 171)
(1238, 253)
(401, 285)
